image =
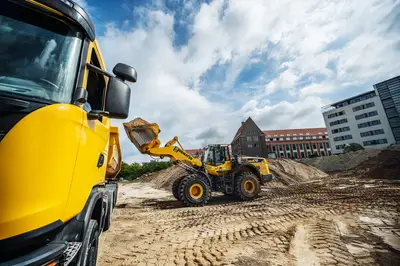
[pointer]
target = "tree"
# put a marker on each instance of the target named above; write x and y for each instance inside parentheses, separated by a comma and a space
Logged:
(135, 170)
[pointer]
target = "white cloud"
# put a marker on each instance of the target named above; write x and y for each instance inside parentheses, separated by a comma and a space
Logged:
(330, 44)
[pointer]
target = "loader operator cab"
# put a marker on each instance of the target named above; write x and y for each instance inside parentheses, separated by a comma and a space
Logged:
(216, 154)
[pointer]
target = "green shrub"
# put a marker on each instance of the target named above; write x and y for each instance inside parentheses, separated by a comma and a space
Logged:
(135, 170)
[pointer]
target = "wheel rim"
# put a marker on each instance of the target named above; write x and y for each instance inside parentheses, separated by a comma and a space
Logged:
(196, 191)
(249, 186)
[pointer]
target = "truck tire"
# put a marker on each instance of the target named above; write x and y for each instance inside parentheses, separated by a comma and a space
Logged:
(175, 188)
(194, 190)
(90, 245)
(247, 186)
(110, 208)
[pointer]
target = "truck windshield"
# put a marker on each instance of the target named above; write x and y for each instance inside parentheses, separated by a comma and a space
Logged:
(39, 55)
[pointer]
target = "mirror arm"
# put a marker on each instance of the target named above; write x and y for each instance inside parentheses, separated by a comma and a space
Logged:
(98, 70)
(96, 114)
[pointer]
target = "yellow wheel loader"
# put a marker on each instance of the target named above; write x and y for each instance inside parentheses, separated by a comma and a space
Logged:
(59, 153)
(218, 170)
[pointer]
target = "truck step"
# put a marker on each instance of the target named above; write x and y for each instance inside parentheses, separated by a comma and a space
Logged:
(71, 251)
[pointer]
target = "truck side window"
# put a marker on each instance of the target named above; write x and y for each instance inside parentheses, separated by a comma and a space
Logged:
(96, 86)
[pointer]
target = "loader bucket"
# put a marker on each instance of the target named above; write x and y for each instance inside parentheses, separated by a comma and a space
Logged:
(142, 133)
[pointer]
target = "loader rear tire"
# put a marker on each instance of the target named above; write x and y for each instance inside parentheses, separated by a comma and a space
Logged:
(247, 186)
(195, 191)
(175, 188)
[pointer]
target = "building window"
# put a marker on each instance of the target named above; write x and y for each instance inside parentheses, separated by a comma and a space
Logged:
(302, 154)
(365, 115)
(369, 124)
(328, 145)
(274, 139)
(338, 122)
(271, 139)
(364, 106)
(248, 138)
(295, 155)
(287, 138)
(255, 145)
(375, 142)
(301, 138)
(320, 137)
(280, 148)
(340, 147)
(314, 146)
(322, 153)
(294, 147)
(342, 129)
(287, 147)
(294, 138)
(280, 138)
(255, 138)
(372, 133)
(308, 146)
(321, 146)
(249, 145)
(336, 114)
(274, 148)
(343, 138)
(314, 137)
(301, 146)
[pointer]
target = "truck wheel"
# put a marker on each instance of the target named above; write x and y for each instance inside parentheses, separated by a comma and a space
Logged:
(110, 208)
(175, 188)
(90, 244)
(194, 191)
(247, 186)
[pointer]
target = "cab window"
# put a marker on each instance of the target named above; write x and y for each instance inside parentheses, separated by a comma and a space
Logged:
(96, 86)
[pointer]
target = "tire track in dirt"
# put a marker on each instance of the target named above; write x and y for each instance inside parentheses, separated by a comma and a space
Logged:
(261, 232)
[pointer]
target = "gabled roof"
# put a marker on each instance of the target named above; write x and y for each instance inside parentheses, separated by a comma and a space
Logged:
(296, 132)
(240, 130)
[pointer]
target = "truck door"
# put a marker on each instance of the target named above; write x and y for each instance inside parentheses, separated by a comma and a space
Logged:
(91, 162)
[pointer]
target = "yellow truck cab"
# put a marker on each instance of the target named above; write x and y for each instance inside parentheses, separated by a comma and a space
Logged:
(58, 150)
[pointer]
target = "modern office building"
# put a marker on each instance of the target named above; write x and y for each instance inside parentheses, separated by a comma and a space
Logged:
(360, 119)
(389, 94)
(297, 143)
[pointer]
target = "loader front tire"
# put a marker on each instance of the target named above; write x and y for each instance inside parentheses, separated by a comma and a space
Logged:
(194, 190)
(175, 188)
(247, 186)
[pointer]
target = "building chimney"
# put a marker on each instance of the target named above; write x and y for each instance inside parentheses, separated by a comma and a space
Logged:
(242, 123)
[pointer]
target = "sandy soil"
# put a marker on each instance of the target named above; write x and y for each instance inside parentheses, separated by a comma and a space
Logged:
(336, 221)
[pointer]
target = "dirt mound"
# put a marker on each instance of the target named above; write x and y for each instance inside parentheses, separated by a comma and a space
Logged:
(285, 170)
(386, 165)
(164, 178)
(289, 171)
(342, 162)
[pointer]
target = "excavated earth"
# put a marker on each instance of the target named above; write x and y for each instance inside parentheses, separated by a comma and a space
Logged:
(340, 219)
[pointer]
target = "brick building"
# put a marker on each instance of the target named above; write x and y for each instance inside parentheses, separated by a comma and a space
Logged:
(195, 152)
(249, 140)
(297, 143)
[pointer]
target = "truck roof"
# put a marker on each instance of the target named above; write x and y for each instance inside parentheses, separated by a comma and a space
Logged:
(69, 9)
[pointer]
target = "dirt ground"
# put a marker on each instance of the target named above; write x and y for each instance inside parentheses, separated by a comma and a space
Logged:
(336, 220)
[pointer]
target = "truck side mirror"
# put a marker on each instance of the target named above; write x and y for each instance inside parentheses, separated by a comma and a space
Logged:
(125, 72)
(117, 98)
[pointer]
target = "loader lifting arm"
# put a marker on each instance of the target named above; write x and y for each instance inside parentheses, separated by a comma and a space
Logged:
(144, 136)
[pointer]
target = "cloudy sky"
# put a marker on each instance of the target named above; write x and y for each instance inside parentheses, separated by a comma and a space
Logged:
(205, 66)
